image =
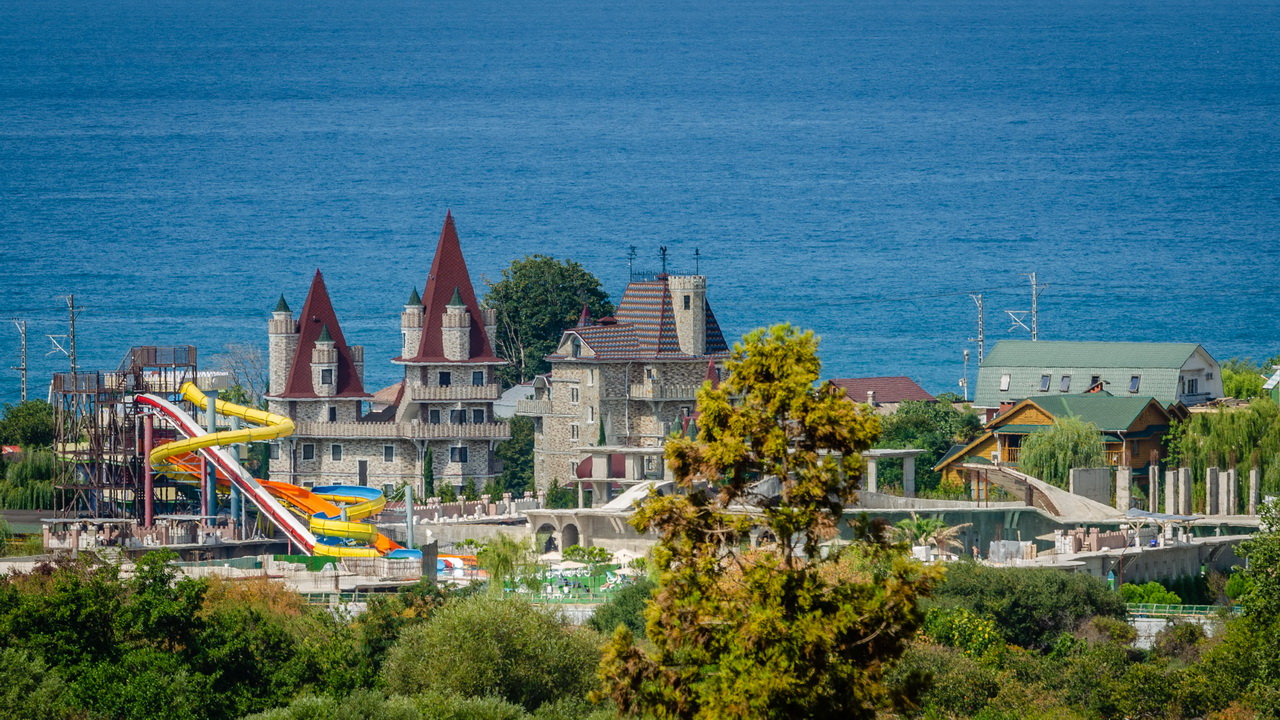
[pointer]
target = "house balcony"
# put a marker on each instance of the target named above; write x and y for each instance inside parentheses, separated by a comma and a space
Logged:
(533, 407)
(436, 393)
(664, 391)
(1011, 455)
(404, 431)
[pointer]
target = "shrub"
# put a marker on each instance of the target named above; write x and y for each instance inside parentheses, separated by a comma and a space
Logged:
(626, 607)
(1102, 629)
(1179, 640)
(1149, 593)
(500, 646)
(959, 628)
(942, 681)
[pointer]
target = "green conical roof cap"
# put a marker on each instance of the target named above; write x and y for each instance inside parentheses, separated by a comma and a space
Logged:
(324, 334)
(282, 306)
(415, 299)
(457, 298)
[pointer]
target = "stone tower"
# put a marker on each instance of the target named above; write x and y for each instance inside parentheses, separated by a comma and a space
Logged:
(689, 307)
(324, 365)
(282, 343)
(455, 329)
(411, 325)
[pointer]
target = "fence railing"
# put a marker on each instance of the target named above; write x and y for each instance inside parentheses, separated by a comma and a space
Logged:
(1159, 611)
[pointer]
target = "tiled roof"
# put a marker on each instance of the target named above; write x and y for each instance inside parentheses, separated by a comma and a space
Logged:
(318, 317)
(892, 389)
(645, 327)
(449, 277)
(1109, 413)
(389, 395)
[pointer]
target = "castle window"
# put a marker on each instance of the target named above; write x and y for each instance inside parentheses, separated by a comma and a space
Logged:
(446, 378)
(591, 414)
(308, 451)
(477, 416)
(477, 377)
(433, 416)
(573, 395)
(274, 450)
(326, 377)
(458, 417)
(333, 414)
(335, 452)
(388, 453)
(686, 302)
(573, 431)
(458, 454)
(591, 377)
(575, 346)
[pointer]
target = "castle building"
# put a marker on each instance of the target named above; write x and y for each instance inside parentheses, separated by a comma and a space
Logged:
(619, 385)
(442, 410)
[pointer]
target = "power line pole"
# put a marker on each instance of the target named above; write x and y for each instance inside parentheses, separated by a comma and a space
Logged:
(1035, 296)
(71, 313)
(982, 337)
(22, 330)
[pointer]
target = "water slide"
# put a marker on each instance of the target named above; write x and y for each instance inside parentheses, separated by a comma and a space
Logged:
(332, 511)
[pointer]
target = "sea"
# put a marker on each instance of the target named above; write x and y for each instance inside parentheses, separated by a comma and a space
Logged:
(861, 168)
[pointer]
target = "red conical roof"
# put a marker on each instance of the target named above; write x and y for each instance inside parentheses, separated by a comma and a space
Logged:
(585, 318)
(316, 318)
(449, 275)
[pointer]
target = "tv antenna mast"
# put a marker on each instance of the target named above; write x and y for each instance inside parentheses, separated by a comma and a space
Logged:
(70, 348)
(22, 330)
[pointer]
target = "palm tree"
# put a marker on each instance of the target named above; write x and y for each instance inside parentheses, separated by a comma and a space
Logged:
(946, 538)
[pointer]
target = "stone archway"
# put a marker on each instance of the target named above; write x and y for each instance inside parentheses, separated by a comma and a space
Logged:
(546, 537)
(569, 536)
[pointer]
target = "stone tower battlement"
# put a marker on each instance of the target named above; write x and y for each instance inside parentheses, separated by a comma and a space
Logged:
(689, 307)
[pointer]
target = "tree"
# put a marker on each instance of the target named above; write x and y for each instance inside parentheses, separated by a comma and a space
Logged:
(783, 631)
(516, 454)
(429, 474)
(625, 607)
(1070, 443)
(505, 559)
(29, 424)
(248, 370)
(1241, 378)
(931, 426)
(495, 646)
(537, 299)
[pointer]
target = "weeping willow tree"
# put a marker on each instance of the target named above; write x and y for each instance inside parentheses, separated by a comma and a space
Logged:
(1070, 443)
(28, 483)
(1229, 438)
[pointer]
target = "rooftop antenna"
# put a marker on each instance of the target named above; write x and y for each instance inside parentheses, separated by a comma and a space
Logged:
(1035, 315)
(697, 262)
(70, 349)
(662, 252)
(22, 330)
(982, 337)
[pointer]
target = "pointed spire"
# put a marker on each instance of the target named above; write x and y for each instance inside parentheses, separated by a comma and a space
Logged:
(414, 298)
(713, 374)
(282, 306)
(457, 298)
(317, 322)
(324, 334)
(448, 283)
(585, 318)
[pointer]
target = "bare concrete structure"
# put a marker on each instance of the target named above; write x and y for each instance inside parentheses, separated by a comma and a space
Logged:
(1184, 491)
(1124, 488)
(1212, 496)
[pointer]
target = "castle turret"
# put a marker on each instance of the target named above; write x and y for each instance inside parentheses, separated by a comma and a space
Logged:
(282, 343)
(490, 316)
(324, 365)
(689, 307)
(455, 329)
(411, 325)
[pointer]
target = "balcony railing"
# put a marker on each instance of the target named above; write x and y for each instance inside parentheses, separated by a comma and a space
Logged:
(533, 407)
(427, 393)
(1011, 454)
(409, 431)
(664, 391)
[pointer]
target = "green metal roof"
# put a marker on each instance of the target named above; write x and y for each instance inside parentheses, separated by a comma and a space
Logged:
(282, 306)
(324, 334)
(1157, 366)
(457, 298)
(416, 299)
(1110, 414)
(1048, 353)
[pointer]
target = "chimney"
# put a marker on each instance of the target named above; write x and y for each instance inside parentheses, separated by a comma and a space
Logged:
(871, 398)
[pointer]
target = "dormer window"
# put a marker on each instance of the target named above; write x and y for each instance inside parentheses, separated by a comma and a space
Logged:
(575, 347)
(1134, 383)
(1004, 382)
(1065, 385)
(1044, 382)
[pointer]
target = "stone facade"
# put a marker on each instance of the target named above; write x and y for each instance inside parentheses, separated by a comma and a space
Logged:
(442, 410)
(624, 382)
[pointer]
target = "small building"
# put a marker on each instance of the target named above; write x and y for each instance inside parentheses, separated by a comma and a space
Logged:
(1131, 428)
(885, 394)
(1172, 373)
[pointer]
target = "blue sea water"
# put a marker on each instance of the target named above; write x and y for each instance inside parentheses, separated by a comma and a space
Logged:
(853, 166)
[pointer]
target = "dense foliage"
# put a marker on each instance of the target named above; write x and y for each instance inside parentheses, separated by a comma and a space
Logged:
(1242, 378)
(537, 299)
(625, 608)
(1234, 438)
(29, 424)
(28, 483)
(1150, 592)
(1052, 455)
(781, 631)
(516, 454)
(933, 427)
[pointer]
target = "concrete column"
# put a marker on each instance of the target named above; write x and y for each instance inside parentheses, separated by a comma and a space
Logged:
(1229, 492)
(236, 510)
(1255, 477)
(1212, 499)
(908, 477)
(870, 482)
(1171, 492)
(408, 516)
(1124, 488)
(582, 495)
(211, 482)
(1184, 491)
(1153, 488)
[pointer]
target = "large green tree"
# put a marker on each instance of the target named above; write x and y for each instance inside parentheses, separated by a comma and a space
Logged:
(537, 299)
(516, 454)
(784, 631)
(29, 424)
(1052, 454)
(931, 426)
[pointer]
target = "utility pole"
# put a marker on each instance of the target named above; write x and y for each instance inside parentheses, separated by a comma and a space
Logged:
(22, 330)
(964, 382)
(1035, 296)
(982, 338)
(697, 262)
(71, 313)
(662, 252)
